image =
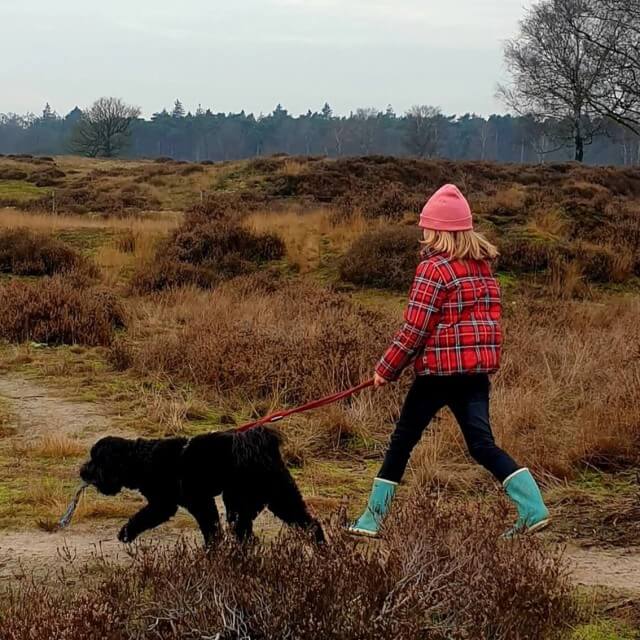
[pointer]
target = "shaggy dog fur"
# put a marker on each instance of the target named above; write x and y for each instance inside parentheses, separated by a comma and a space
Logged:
(246, 468)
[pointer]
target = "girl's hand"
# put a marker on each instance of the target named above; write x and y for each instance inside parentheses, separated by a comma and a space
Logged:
(379, 381)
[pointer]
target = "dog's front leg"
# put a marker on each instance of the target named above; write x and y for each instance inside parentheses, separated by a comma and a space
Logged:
(148, 517)
(206, 514)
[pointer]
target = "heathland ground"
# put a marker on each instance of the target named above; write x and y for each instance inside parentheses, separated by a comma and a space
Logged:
(160, 298)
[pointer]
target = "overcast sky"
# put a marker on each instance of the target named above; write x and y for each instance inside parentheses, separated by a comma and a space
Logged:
(252, 54)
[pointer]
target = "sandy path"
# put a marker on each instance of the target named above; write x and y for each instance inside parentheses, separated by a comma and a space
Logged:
(612, 568)
(38, 410)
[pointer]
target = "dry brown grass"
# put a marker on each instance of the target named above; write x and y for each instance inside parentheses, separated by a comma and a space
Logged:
(171, 409)
(293, 167)
(549, 223)
(158, 223)
(569, 388)
(131, 244)
(5, 420)
(117, 260)
(264, 339)
(58, 446)
(309, 232)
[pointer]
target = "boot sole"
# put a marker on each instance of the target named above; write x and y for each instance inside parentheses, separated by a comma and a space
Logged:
(539, 526)
(362, 532)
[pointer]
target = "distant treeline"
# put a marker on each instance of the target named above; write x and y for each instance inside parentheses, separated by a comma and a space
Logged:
(422, 131)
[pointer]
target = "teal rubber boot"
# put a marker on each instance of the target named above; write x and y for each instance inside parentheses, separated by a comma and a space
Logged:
(380, 499)
(523, 490)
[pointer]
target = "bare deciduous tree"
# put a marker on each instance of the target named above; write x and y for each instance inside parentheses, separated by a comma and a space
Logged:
(617, 35)
(423, 130)
(559, 72)
(103, 129)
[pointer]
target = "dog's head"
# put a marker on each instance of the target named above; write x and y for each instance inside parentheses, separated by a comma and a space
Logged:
(107, 466)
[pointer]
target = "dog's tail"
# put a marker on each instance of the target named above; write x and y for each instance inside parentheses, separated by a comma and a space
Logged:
(258, 447)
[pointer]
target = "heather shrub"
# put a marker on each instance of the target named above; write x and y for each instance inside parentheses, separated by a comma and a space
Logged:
(222, 204)
(58, 310)
(602, 263)
(523, 253)
(205, 253)
(9, 173)
(167, 274)
(443, 575)
(103, 197)
(392, 202)
(385, 258)
(211, 243)
(27, 253)
(259, 339)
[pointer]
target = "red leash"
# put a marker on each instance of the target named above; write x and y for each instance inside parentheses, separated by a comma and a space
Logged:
(315, 404)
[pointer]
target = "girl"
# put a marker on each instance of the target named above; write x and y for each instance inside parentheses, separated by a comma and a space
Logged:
(452, 330)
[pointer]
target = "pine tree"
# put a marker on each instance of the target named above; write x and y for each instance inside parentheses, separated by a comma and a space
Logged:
(327, 111)
(178, 110)
(48, 113)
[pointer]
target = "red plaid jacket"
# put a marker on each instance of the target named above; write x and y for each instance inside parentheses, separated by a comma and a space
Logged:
(452, 321)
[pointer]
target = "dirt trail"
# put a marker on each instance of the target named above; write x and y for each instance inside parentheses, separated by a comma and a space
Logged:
(612, 568)
(39, 410)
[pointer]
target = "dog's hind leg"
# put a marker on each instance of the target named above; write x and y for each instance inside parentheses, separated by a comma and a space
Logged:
(286, 503)
(150, 516)
(241, 512)
(241, 523)
(205, 512)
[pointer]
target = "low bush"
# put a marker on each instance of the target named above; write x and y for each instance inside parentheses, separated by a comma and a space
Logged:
(522, 253)
(391, 201)
(27, 253)
(46, 177)
(258, 339)
(90, 195)
(221, 205)
(209, 244)
(58, 310)
(385, 258)
(10, 173)
(442, 576)
(161, 274)
(206, 253)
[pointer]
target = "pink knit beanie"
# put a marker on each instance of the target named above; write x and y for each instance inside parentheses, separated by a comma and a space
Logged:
(447, 210)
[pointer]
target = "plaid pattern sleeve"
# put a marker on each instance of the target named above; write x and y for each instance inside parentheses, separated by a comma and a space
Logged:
(421, 315)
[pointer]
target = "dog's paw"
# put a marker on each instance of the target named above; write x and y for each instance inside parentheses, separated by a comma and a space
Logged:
(124, 535)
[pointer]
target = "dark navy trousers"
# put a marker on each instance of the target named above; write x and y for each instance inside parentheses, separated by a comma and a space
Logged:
(468, 398)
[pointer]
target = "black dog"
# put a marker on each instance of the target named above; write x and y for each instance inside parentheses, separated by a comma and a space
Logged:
(246, 468)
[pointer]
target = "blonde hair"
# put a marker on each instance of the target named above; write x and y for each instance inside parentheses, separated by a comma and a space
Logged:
(460, 245)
